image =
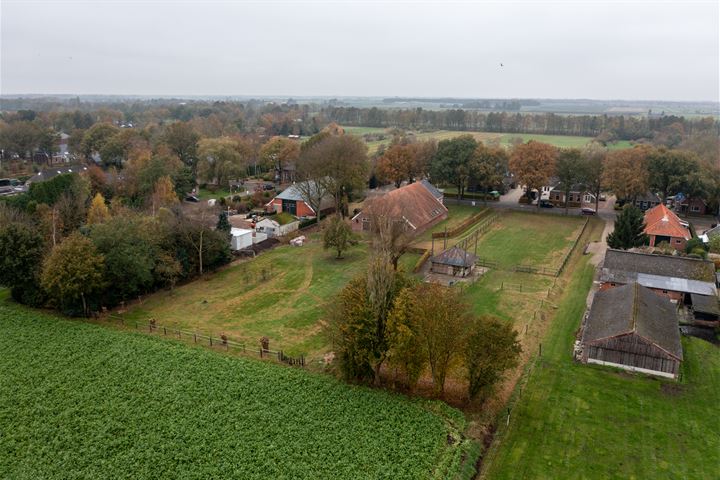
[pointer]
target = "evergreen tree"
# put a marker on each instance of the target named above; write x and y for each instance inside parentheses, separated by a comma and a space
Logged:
(629, 229)
(223, 225)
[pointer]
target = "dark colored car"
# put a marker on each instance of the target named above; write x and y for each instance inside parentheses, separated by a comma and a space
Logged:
(192, 198)
(546, 204)
(587, 211)
(268, 186)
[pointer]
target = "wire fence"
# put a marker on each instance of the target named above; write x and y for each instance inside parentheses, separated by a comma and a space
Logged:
(217, 341)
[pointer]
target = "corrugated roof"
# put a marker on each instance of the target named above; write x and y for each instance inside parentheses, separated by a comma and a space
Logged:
(659, 220)
(705, 303)
(619, 262)
(676, 284)
(456, 257)
(634, 309)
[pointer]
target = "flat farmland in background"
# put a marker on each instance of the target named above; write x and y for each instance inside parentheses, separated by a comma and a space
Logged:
(561, 141)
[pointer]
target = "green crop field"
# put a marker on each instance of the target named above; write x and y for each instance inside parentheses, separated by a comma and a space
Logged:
(84, 401)
(589, 422)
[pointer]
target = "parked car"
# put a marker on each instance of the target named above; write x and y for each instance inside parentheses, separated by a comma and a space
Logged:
(268, 186)
(587, 211)
(192, 198)
(546, 204)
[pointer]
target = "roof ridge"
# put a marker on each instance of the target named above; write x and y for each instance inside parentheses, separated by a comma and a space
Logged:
(633, 317)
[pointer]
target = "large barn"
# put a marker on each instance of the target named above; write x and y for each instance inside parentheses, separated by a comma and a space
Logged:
(418, 205)
(632, 328)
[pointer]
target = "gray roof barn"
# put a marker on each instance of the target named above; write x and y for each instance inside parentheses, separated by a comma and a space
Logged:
(621, 266)
(634, 328)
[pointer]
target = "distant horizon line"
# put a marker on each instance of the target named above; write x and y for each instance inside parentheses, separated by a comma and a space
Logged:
(330, 96)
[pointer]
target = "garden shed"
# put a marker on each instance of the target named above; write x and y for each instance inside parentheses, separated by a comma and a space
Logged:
(454, 261)
(633, 328)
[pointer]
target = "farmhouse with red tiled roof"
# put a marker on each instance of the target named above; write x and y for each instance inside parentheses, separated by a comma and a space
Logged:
(662, 225)
(417, 205)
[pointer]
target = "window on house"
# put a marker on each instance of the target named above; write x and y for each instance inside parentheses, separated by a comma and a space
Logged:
(695, 208)
(664, 291)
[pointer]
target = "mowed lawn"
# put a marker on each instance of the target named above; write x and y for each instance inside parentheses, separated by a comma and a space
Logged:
(79, 400)
(281, 294)
(576, 421)
(519, 238)
(456, 215)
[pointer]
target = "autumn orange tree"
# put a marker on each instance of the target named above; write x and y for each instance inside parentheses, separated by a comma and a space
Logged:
(397, 164)
(626, 172)
(533, 163)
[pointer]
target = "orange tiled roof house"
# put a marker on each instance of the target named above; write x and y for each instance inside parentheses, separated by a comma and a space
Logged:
(662, 225)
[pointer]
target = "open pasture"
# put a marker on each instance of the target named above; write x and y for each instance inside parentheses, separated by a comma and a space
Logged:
(280, 294)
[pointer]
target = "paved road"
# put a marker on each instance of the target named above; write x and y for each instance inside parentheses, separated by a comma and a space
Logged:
(510, 201)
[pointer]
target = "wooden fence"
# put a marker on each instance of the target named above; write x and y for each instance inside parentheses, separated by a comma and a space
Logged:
(572, 247)
(467, 223)
(221, 341)
(551, 272)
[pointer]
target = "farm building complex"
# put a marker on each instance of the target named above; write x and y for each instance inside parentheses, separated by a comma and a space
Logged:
(672, 276)
(632, 328)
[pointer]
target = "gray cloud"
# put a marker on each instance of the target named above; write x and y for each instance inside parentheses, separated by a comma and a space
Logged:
(636, 50)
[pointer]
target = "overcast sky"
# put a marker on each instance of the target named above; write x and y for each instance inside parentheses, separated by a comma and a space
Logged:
(598, 50)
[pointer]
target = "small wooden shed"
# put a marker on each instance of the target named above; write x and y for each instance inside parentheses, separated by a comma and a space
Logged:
(454, 261)
(633, 328)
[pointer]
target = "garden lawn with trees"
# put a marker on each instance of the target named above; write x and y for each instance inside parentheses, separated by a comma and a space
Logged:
(583, 421)
(80, 401)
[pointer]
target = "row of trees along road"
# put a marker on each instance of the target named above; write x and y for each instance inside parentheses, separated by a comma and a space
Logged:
(629, 173)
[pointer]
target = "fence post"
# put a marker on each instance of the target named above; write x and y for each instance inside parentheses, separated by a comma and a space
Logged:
(210, 340)
(164, 331)
(195, 337)
(261, 352)
(540, 353)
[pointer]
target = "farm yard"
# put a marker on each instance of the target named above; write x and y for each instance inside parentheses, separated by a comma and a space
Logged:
(83, 401)
(580, 421)
(506, 139)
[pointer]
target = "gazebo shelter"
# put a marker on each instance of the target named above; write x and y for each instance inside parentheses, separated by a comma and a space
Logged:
(454, 261)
